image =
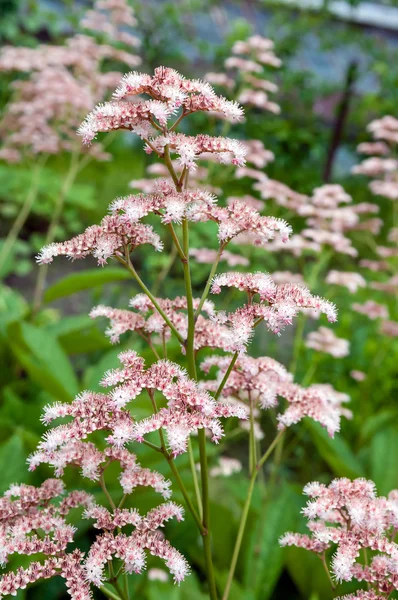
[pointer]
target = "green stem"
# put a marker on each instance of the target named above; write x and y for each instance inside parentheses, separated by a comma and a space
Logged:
(105, 490)
(190, 353)
(22, 215)
(206, 514)
(209, 280)
(195, 478)
(109, 593)
(244, 515)
(184, 492)
(227, 374)
(252, 438)
(128, 264)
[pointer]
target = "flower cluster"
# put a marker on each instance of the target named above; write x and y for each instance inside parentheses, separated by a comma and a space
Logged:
(169, 92)
(383, 165)
(64, 82)
(34, 521)
(248, 59)
(263, 381)
(188, 409)
(349, 516)
(279, 304)
(325, 340)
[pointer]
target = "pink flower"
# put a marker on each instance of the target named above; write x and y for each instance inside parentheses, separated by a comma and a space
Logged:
(349, 516)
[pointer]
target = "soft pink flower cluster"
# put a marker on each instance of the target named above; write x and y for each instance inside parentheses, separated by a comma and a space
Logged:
(328, 213)
(248, 58)
(189, 408)
(348, 515)
(35, 521)
(169, 93)
(64, 82)
(325, 340)
(263, 381)
(384, 167)
(123, 227)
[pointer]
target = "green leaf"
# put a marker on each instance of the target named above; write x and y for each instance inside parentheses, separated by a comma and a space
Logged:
(43, 358)
(79, 334)
(383, 461)
(13, 307)
(263, 556)
(376, 422)
(336, 452)
(84, 280)
(13, 467)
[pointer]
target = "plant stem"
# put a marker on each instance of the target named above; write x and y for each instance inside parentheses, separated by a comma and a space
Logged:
(209, 280)
(190, 353)
(105, 490)
(22, 215)
(206, 514)
(227, 374)
(195, 478)
(252, 438)
(109, 593)
(184, 492)
(245, 513)
(128, 264)
(323, 559)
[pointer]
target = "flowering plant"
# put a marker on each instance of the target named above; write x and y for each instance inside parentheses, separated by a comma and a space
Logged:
(183, 408)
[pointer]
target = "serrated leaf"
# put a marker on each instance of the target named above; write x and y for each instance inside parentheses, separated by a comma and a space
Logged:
(84, 280)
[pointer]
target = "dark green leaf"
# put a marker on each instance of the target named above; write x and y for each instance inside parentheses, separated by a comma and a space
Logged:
(84, 280)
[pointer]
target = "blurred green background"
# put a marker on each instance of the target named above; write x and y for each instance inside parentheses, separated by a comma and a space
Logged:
(50, 350)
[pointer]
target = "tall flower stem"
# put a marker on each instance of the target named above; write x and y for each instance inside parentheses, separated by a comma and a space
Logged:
(209, 280)
(195, 478)
(245, 514)
(23, 214)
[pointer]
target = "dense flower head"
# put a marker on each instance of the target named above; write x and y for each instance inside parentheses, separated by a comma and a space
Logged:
(283, 301)
(168, 92)
(264, 381)
(189, 408)
(349, 517)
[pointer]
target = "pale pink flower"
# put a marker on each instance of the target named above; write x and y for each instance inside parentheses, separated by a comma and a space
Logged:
(389, 328)
(264, 381)
(226, 467)
(351, 280)
(349, 516)
(325, 340)
(373, 310)
(358, 375)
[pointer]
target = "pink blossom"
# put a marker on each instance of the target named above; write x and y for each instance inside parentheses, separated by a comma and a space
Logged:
(371, 309)
(349, 516)
(325, 340)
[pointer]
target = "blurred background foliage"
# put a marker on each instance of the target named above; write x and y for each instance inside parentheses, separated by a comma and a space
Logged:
(54, 352)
